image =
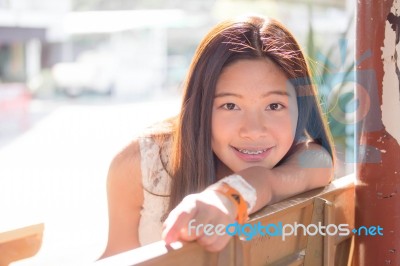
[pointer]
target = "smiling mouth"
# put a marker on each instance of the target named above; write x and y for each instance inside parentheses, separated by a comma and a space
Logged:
(251, 152)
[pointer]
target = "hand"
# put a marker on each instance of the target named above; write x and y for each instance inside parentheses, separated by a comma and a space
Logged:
(207, 207)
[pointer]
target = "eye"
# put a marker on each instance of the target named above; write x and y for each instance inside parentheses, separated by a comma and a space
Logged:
(275, 107)
(230, 106)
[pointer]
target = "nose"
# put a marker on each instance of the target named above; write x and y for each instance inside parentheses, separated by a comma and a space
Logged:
(253, 126)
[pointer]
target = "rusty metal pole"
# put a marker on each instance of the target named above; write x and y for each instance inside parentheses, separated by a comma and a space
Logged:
(378, 132)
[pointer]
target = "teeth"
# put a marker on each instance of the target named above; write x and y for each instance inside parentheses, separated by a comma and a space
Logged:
(251, 152)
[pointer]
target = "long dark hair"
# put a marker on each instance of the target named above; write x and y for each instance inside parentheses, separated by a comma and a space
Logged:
(193, 165)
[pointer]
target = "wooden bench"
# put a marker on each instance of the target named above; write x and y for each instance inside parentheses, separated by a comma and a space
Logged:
(20, 243)
(333, 204)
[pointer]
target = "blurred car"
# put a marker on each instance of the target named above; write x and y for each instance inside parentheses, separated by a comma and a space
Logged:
(91, 73)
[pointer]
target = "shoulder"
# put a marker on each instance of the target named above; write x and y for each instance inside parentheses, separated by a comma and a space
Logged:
(128, 154)
(125, 199)
(126, 159)
(126, 167)
(314, 147)
(310, 153)
(125, 172)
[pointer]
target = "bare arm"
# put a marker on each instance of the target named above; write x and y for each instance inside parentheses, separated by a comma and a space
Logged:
(309, 166)
(125, 198)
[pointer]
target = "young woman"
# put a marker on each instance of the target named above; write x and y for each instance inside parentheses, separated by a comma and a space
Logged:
(250, 131)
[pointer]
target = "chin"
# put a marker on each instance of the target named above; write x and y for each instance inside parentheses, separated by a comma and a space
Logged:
(264, 165)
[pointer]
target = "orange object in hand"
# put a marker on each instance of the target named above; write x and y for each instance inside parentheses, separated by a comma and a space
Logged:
(236, 198)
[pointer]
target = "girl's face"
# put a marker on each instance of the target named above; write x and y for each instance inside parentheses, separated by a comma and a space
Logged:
(254, 115)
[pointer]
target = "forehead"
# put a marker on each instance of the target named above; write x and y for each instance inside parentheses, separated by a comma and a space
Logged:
(252, 76)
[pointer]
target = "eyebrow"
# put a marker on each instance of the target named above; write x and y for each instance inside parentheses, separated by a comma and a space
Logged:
(277, 92)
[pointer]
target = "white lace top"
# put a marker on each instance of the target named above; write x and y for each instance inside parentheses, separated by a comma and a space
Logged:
(156, 188)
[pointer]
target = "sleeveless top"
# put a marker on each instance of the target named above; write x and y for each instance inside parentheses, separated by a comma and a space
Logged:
(156, 184)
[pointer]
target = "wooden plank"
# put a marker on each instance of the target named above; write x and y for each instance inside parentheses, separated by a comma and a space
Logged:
(314, 250)
(267, 249)
(19, 233)
(20, 243)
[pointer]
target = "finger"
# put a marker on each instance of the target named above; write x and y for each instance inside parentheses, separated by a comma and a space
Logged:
(176, 221)
(195, 226)
(191, 231)
(174, 225)
(206, 222)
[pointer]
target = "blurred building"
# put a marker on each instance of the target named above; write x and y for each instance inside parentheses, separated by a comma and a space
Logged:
(49, 47)
(24, 27)
(130, 48)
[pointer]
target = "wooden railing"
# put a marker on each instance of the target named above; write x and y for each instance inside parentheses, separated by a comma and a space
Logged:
(333, 204)
(20, 243)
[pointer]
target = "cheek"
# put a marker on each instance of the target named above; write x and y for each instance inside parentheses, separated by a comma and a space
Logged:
(217, 130)
(221, 127)
(284, 130)
(285, 123)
